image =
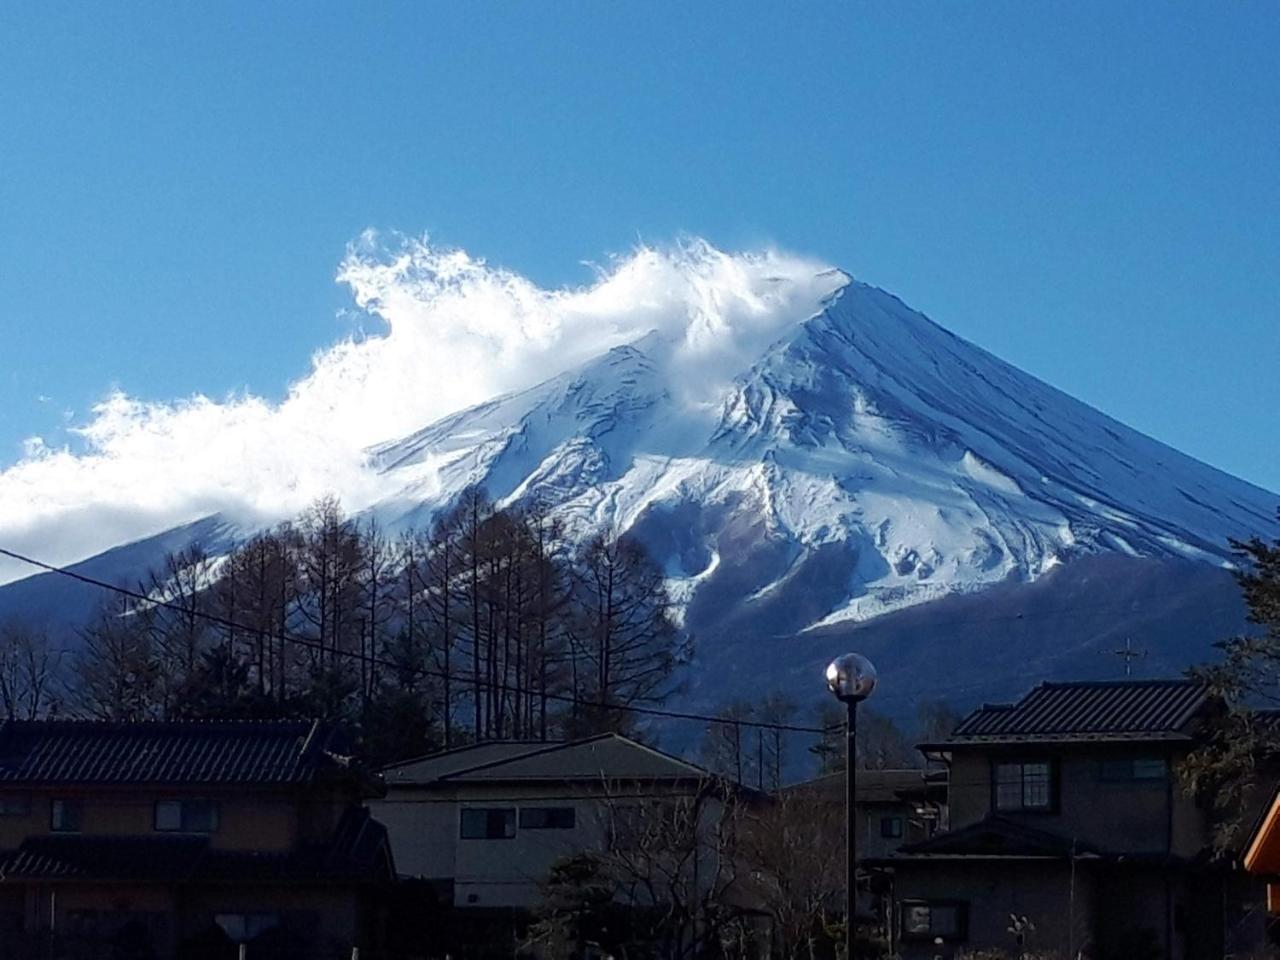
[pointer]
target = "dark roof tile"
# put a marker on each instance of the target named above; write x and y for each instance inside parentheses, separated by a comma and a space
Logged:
(198, 752)
(358, 851)
(1125, 709)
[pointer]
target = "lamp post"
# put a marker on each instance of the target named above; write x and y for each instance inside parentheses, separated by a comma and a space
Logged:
(851, 679)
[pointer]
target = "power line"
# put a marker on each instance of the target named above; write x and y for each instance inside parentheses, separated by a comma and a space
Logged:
(1077, 611)
(373, 659)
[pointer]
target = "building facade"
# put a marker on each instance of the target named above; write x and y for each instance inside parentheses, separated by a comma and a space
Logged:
(1069, 833)
(166, 839)
(484, 824)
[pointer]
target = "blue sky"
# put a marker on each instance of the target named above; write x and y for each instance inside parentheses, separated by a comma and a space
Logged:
(1089, 191)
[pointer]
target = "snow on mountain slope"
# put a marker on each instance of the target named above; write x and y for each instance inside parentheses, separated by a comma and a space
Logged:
(913, 463)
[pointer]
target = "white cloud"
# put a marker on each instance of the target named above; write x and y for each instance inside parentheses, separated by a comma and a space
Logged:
(454, 331)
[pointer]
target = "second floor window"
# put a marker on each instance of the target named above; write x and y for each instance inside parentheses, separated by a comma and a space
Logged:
(488, 823)
(547, 818)
(1024, 786)
(1133, 768)
(186, 816)
(64, 816)
(15, 805)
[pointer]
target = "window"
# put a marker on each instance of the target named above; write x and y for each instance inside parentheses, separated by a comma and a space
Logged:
(243, 927)
(489, 823)
(891, 827)
(65, 816)
(547, 818)
(934, 919)
(1133, 768)
(186, 816)
(15, 805)
(1024, 786)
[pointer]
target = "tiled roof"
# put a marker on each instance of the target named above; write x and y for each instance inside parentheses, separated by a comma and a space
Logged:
(197, 752)
(608, 756)
(55, 857)
(357, 852)
(1099, 710)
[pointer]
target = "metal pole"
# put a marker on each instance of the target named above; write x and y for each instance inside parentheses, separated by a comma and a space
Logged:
(851, 829)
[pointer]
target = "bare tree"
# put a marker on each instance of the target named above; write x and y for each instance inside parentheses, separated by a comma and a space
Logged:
(331, 564)
(626, 645)
(675, 861)
(728, 748)
(257, 589)
(117, 672)
(179, 625)
(795, 845)
(28, 668)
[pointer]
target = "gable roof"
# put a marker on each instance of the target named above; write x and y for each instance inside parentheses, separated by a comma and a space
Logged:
(1086, 711)
(177, 752)
(608, 756)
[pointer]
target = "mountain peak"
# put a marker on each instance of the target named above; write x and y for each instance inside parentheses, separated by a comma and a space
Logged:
(935, 467)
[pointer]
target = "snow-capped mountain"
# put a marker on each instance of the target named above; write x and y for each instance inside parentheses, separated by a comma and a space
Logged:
(865, 471)
(918, 464)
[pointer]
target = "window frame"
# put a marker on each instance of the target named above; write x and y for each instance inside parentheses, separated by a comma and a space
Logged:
(898, 824)
(959, 935)
(185, 804)
(65, 804)
(549, 818)
(1126, 769)
(1050, 765)
(509, 816)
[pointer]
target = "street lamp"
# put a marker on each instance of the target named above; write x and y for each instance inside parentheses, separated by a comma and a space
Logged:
(851, 678)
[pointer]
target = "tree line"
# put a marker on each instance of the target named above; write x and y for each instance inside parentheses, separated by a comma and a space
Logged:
(490, 625)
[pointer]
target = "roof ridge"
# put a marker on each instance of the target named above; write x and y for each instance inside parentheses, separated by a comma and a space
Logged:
(463, 748)
(548, 747)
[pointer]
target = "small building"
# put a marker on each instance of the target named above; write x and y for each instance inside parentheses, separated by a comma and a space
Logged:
(894, 807)
(159, 839)
(1069, 833)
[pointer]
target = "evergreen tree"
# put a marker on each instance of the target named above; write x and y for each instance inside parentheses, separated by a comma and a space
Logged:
(1242, 749)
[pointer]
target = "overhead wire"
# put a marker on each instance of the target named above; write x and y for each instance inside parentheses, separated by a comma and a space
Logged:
(375, 660)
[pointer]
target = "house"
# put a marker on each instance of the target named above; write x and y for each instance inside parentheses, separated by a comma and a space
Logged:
(894, 807)
(154, 839)
(1069, 832)
(485, 823)
(478, 831)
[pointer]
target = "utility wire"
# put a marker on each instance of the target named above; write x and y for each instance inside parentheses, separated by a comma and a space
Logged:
(1075, 612)
(373, 659)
